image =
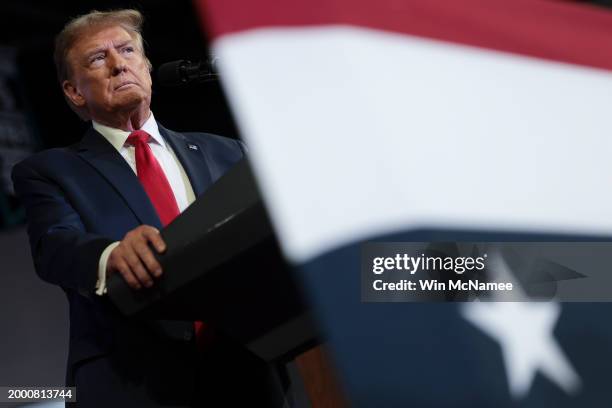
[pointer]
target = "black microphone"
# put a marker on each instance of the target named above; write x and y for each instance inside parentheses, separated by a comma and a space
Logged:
(184, 71)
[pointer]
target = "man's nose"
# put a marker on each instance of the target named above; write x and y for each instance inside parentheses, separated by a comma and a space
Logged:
(117, 63)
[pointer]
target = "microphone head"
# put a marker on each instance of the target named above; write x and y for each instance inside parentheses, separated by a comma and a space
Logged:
(172, 73)
(184, 71)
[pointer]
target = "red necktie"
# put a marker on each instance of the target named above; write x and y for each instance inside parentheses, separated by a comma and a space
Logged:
(152, 178)
(157, 187)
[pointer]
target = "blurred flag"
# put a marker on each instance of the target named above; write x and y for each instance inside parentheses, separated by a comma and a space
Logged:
(381, 120)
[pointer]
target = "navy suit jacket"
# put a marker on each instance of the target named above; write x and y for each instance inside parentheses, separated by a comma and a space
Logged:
(81, 198)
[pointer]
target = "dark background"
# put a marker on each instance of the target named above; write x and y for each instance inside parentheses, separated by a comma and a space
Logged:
(34, 116)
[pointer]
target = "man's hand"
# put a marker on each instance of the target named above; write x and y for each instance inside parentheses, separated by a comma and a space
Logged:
(133, 258)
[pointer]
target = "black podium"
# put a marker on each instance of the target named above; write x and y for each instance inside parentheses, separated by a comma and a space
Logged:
(223, 265)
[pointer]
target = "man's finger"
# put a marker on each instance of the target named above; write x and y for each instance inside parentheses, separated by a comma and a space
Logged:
(122, 267)
(148, 259)
(152, 235)
(138, 268)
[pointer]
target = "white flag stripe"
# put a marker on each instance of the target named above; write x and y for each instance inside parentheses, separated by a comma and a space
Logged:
(357, 132)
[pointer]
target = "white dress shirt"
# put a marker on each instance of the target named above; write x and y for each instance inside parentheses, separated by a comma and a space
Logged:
(174, 171)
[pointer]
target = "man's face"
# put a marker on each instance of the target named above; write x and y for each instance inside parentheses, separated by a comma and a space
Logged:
(109, 74)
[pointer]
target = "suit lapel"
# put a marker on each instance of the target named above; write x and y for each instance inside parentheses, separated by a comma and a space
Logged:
(99, 153)
(190, 154)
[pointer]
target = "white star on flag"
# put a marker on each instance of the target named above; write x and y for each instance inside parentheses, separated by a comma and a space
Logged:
(525, 333)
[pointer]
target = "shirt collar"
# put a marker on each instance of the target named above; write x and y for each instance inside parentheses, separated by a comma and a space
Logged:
(117, 137)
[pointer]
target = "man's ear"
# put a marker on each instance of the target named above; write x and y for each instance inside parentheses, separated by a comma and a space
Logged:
(72, 93)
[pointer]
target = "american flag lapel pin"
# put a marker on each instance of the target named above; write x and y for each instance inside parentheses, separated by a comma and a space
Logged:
(192, 146)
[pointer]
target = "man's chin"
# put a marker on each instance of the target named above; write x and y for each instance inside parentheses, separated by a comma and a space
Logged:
(130, 101)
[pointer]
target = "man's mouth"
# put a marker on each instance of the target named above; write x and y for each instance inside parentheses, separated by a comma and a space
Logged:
(124, 85)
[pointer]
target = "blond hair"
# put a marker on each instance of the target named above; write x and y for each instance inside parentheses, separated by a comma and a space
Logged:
(130, 20)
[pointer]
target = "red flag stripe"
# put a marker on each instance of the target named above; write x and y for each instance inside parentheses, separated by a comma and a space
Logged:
(561, 31)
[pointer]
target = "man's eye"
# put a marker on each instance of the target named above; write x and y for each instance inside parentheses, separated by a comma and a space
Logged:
(128, 49)
(97, 58)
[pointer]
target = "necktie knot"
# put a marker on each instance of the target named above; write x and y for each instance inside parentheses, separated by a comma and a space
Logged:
(137, 137)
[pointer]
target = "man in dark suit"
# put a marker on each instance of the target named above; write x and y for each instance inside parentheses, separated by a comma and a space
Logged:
(93, 209)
